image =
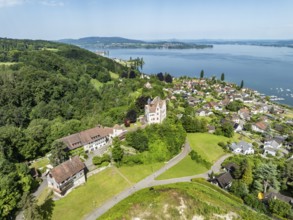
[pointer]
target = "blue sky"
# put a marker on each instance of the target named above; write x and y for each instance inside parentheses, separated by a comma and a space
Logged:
(147, 19)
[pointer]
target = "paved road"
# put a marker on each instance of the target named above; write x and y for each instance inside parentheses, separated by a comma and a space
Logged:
(150, 181)
(138, 186)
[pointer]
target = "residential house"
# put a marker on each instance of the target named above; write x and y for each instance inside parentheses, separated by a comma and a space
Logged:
(242, 148)
(238, 127)
(273, 195)
(260, 126)
(148, 85)
(223, 180)
(244, 113)
(155, 111)
(271, 147)
(211, 129)
(66, 175)
(92, 139)
(204, 112)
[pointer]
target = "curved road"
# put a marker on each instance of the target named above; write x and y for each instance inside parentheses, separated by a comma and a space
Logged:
(150, 181)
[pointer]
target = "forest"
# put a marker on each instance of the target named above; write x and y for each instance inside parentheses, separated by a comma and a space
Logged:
(46, 92)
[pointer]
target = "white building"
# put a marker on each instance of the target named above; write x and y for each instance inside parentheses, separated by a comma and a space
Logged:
(155, 111)
(242, 148)
(66, 175)
(93, 138)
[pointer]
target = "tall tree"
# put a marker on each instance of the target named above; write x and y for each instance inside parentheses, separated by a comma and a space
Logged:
(168, 78)
(201, 74)
(223, 77)
(58, 153)
(117, 151)
(265, 175)
(241, 84)
(160, 76)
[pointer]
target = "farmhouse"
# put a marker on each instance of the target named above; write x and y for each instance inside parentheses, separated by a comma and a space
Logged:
(155, 111)
(92, 139)
(66, 175)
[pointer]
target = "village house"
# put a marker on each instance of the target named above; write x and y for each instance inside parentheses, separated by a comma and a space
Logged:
(260, 126)
(66, 175)
(242, 148)
(271, 147)
(92, 139)
(155, 111)
(224, 180)
(244, 113)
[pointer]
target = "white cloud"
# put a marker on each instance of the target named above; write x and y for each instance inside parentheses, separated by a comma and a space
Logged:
(52, 3)
(10, 3)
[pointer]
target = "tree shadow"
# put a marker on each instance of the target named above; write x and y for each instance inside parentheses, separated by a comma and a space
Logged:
(47, 209)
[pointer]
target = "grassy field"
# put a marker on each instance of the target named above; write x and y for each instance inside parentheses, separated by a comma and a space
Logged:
(82, 200)
(114, 75)
(185, 167)
(7, 63)
(136, 173)
(203, 143)
(41, 163)
(195, 200)
(97, 84)
(207, 145)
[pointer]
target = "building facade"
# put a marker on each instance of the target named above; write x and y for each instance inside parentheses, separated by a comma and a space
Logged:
(66, 175)
(155, 111)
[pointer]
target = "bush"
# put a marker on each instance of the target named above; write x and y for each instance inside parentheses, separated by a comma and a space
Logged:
(100, 160)
(196, 157)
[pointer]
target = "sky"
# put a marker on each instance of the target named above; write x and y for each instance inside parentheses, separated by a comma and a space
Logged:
(147, 19)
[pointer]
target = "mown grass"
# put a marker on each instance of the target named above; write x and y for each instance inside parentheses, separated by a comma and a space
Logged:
(203, 143)
(84, 199)
(207, 145)
(138, 172)
(7, 63)
(194, 199)
(186, 167)
(114, 75)
(41, 163)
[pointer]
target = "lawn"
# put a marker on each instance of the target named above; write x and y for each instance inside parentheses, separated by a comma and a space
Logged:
(44, 195)
(203, 143)
(82, 200)
(136, 173)
(207, 145)
(185, 167)
(97, 84)
(7, 63)
(41, 163)
(114, 75)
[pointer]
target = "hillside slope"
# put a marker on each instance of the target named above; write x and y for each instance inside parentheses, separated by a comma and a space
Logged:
(197, 200)
(45, 85)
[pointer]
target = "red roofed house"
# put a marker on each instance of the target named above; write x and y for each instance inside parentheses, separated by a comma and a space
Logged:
(260, 126)
(91, 139)
(155, 111)
(66, 175)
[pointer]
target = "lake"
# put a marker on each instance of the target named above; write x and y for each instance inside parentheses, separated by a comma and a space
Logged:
(266, 69)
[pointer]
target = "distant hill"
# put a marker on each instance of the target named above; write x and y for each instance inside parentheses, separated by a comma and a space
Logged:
(99, 40)
(96, 43)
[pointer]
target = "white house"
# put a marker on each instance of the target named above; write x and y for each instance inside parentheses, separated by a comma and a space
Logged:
(242, 148)
(66, 175)
(155, 111)
(271, 147)
(93, 138)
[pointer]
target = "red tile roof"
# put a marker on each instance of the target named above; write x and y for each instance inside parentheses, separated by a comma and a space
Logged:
(67, 169)
(85, 137)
